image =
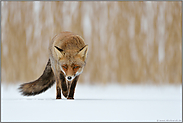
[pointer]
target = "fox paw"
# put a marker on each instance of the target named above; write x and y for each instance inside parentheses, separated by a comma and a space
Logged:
(58, 98)
(65, 93)
(70, 98)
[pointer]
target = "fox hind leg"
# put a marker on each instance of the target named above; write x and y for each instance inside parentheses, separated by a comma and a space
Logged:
(72, 88)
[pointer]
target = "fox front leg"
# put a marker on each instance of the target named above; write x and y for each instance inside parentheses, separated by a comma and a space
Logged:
(63, 85)
(72, 88)
(58, 89)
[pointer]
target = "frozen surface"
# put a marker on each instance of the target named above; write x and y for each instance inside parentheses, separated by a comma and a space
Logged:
(95, 103)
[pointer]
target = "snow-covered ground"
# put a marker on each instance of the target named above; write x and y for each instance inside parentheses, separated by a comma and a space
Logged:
(95, 103)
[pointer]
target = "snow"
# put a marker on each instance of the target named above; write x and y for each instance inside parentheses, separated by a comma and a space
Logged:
(111, 102)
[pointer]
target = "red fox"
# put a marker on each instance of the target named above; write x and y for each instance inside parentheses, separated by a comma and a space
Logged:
(67, 58)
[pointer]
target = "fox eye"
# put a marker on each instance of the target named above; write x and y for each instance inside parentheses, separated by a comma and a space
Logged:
(75, 67)
(64, 66)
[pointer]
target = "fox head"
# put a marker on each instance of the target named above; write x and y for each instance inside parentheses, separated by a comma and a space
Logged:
(71, 62)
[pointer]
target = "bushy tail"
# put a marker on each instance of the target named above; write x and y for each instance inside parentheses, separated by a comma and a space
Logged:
(45, 81)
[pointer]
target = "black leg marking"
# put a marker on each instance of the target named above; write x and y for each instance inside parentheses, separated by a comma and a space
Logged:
(63, 85)
(72, 88)
(58, 89)
(58, 93)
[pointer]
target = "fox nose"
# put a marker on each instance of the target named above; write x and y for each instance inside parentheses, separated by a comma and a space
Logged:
(69, 77)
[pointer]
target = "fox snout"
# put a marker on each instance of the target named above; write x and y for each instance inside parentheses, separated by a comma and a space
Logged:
(69, 78)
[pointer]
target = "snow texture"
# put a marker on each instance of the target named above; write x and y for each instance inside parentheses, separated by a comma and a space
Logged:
(95, 103)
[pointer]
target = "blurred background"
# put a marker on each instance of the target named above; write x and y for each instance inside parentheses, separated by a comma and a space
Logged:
(129, 42)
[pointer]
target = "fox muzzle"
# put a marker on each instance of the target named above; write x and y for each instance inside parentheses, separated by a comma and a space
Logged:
(69, 78)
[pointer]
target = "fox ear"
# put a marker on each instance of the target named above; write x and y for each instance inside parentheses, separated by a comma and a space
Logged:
(58, 51)
(83, 52)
